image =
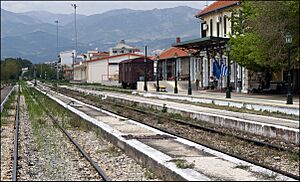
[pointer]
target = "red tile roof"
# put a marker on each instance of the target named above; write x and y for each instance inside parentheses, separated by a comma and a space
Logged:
(215, 6)
(169, 53)
(105, 58)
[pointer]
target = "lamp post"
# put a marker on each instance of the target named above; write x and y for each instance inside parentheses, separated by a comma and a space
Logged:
(57, 75)
(34, 74)
(157, 74)
(75, 6)
(190, 85)
(288, 39)
(75, 54)
(228, 94)
(73, 71)
(145, 70)
(175, 72)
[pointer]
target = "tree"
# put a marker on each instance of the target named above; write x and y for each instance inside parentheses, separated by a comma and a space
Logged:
(260, 28)
(11, 68)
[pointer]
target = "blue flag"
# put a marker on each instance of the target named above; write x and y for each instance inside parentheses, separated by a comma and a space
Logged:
(216, 69)
(224, 68)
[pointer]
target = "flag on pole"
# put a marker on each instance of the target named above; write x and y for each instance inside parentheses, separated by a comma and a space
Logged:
(216, 69)
(224, 68)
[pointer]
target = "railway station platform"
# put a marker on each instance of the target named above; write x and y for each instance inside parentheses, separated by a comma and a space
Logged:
(258, 102)
(161, 151)
(273, 127)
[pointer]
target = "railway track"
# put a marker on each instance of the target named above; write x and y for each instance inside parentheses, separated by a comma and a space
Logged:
(16, 138)
(123, 107)
(81, 150)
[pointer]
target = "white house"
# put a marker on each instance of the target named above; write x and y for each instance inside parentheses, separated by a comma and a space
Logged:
(106, 69)
(66, 58)
(122, 48)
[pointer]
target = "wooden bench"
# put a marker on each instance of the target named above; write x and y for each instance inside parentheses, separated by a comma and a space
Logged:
(162, 88)
(271, 89)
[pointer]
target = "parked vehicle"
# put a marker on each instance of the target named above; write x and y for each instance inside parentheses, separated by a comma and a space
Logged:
(133, 70)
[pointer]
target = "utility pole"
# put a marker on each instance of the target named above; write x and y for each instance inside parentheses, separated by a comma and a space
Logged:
(74, 57)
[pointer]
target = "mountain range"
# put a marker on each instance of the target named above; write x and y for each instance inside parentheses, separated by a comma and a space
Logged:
(32, 35)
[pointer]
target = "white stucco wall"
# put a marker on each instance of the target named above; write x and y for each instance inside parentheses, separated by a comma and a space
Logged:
(66, 57)
(97, 71)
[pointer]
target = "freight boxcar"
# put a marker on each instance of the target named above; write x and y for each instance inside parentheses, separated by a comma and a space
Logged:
(133, 70)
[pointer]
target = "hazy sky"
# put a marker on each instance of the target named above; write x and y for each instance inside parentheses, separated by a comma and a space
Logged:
(94, 7)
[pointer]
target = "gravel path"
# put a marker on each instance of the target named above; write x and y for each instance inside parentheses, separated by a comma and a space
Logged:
(7, 142)
(47, 154)
(114, 162)
(117, 165)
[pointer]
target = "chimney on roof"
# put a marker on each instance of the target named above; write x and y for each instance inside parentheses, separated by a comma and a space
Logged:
(122, 41)
(177, 39)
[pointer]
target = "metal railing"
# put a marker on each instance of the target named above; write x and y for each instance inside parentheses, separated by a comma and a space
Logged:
(6, 98)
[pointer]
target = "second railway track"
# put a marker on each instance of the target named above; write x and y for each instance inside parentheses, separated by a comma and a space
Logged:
(22, 168)
(260, 147)
(99, 153)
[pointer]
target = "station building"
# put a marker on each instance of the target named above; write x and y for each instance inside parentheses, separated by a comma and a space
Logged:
(215, 29)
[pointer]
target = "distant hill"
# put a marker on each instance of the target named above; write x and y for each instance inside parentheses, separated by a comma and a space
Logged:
(32, 35)
(47, 17)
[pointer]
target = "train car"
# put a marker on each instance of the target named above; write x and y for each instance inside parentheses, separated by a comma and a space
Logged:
(133, 70)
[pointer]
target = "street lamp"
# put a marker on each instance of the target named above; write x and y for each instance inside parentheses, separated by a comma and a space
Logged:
(157, 74)
(175, 89)
(34, 74)
(190, 85)
(73, 71)
(288, 40)
(75, 6)
(228, 94)
(145, 70)
(57, 75)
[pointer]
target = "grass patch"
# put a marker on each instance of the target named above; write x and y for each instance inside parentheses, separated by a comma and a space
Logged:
(244, 167)
(149, 175)
(182, 163)
(112, 150)
(294, 156)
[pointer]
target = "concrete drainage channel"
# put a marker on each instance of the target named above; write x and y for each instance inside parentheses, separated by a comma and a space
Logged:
(161, 161)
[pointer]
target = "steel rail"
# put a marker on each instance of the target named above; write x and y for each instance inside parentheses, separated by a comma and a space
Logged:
(211, 147)
(197, 126)
(82, 151)
(16, 138)
(208, 146)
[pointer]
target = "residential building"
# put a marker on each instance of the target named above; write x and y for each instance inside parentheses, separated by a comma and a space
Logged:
(122, 48)
(106, 69)
(90, 55)
(80, 71)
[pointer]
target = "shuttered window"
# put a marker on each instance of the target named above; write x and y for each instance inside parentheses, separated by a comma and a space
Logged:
(211, 27)
(224, 23)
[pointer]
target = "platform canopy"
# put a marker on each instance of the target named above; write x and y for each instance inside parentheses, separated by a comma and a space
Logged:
(201, 43)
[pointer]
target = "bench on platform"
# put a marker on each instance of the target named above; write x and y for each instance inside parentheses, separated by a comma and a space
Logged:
(162, 88)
